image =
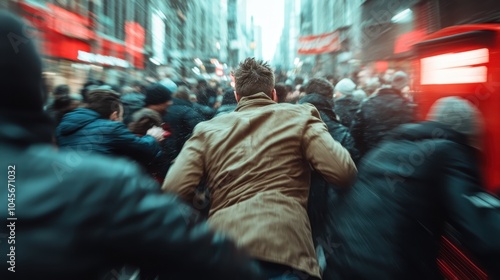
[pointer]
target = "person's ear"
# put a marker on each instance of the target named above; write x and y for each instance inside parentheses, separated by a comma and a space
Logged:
(274, 95)
(237, 96)
(114, 116)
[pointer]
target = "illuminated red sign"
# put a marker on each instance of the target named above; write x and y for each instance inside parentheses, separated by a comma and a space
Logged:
(318, 44)
(70, 24)
(455, 68)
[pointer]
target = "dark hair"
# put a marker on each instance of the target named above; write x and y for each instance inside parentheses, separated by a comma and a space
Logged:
(61, 90)
(253, 76)
(320, 86)
(104, 102)
(281, 92)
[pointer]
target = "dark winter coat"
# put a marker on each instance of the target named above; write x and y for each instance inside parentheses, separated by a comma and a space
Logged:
(338, 131)
(207, 112)
(132, 102)
(82, 216)
(84, 130)
(322, 193)
(181, 118)
(379, 114)
(346, 108)
(389, 225)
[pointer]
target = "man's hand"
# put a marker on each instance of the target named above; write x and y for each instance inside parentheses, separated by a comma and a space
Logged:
(156, 132)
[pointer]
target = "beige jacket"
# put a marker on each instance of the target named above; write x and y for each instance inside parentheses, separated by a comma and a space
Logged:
(257, 163)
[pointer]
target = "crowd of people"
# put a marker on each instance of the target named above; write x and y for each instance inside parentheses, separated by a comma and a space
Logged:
(266, 180)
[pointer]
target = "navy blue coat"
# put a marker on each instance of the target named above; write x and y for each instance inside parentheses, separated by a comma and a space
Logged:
(84, 131)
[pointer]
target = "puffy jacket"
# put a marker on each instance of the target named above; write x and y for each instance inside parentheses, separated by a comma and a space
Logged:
(83, 130)
(379, 114)
(181, 118)
(389, 225)
(79, 216)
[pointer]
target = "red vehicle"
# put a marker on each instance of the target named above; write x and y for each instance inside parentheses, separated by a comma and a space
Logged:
(464, 61)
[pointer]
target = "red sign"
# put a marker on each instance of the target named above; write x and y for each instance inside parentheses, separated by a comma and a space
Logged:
(70, 24)
(135, 37)
(318, 44)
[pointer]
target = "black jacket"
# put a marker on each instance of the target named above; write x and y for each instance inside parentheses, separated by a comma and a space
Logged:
(181, 119)
(79, 216)
(338, 131)
(389, 225)
(346, 108)
(321, 193)
(377, 115)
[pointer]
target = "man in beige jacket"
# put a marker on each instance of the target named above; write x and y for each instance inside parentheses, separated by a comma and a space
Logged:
(256, 163)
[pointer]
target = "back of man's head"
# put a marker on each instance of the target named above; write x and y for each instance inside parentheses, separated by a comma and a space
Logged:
(320, 86)
(104, 102)
(254, 76)
(20, 68)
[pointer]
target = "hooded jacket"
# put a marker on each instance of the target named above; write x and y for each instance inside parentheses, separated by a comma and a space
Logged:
(84, 130)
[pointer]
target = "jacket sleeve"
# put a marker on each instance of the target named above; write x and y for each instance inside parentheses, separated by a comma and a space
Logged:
(475, 213)
(187, 171)
(158, 232)
(143, 149)
(326, 155)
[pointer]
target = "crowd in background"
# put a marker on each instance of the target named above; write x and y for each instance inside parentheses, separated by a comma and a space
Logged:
(310, 179)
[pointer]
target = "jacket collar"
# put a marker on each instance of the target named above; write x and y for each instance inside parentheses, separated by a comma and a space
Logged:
(254, 101)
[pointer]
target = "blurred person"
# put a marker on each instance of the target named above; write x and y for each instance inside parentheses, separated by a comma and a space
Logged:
(388, 76)
(372, 85)
(346, 105)
(158, 100)
(79, 215)
(359, 95)
(256, 164)
(389, 225)
(181, 119)
(281, 92)
(61, 103)
(228, 103)
(294, 96)
(381, 113)
(363, 77)
(133, 101)
(167, 80)
(98, 128)
(320, 94)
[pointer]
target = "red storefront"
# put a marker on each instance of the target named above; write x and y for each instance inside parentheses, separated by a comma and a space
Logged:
(73, 52)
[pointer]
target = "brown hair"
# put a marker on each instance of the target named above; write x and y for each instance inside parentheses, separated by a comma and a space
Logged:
(320, 86)
(104, 102)
(253, 76)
